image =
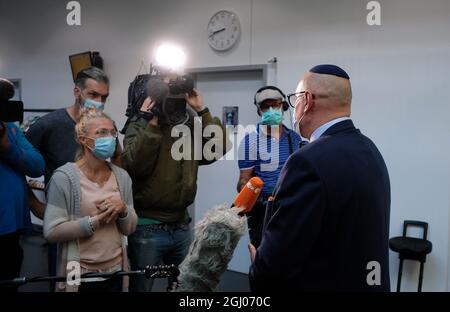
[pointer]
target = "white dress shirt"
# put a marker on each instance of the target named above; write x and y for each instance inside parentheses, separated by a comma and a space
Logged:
(319, 131)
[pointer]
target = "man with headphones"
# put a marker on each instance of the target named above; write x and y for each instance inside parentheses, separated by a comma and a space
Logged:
(264, 152)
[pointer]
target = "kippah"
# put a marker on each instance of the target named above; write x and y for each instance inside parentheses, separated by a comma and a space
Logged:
(328, 69)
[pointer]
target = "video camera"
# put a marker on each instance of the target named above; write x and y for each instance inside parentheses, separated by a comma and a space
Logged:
(166, 89)
(168, 93)
(10, 111)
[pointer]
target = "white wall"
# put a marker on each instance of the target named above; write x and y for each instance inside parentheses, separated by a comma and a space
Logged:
(216, 182)
(399, 73)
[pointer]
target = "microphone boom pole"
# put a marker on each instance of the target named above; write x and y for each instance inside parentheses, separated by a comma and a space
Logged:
(159, 271)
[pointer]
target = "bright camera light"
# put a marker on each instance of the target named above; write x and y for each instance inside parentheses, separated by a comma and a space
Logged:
(170, 56)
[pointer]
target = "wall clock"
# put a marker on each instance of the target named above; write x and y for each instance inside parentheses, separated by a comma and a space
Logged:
(224, 30)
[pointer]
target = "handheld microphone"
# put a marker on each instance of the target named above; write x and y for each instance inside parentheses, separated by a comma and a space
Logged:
(216, 238)
(246, 199)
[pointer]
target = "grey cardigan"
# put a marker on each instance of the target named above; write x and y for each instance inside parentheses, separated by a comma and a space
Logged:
(62, 221)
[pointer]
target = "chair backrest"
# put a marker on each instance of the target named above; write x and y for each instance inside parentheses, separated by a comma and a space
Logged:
(423, 225)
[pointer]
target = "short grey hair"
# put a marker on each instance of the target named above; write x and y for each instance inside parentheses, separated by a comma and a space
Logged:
(91, 73)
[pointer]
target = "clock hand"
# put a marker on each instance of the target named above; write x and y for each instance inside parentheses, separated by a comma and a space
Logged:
(217, 31)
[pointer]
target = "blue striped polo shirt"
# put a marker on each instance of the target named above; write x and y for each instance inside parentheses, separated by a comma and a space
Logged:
(267, 155)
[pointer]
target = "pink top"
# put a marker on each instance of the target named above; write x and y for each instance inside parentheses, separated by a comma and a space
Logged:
(103, 250)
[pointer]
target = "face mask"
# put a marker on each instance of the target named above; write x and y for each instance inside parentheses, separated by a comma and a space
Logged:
(297, 124)
(272, 117)
(104, 147)
(88, 103)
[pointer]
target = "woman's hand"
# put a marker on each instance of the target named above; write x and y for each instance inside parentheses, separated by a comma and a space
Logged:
(100, 219)
(113, 207)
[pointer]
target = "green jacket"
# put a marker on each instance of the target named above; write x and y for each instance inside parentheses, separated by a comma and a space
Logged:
(163, 187)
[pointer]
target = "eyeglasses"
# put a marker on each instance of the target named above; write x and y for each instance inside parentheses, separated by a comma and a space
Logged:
(270, 103)
(102, 133)
(293, 98)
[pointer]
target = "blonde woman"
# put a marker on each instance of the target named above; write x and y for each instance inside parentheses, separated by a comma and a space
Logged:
(90, 208)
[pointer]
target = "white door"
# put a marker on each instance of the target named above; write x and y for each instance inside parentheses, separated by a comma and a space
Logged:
(217, 182)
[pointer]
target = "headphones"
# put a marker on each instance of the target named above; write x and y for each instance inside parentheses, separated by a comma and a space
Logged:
(284, 102)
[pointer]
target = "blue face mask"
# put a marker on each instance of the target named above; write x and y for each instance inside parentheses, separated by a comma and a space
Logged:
(272, 117)
(88, 103)
(104, 147)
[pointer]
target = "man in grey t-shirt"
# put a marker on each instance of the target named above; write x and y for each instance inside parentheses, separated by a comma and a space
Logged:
(54, 134)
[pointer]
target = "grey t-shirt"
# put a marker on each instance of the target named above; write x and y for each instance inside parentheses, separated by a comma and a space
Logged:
(54, 136)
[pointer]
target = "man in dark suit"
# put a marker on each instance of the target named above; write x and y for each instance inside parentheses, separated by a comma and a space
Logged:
(327, 225)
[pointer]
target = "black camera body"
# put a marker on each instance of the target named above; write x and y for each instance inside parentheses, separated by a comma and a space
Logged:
(166, 89)
(181, 85)
(168, 93)
(10, 111)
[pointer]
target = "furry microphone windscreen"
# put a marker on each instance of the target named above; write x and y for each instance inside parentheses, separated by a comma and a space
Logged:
(216, 237)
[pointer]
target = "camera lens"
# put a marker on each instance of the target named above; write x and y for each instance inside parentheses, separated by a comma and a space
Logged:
(183, 84)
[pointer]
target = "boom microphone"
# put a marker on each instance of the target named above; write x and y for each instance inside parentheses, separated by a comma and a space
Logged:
(216, 238)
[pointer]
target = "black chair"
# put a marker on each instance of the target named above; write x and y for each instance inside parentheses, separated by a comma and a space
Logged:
(412, 249)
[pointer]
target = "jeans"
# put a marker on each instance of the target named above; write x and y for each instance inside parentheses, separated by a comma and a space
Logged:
(154, 245)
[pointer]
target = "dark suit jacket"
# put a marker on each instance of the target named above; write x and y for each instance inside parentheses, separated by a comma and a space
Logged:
(329, 218)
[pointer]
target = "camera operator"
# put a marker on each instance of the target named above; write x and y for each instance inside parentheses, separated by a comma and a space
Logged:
(163, 187)
(18, 158)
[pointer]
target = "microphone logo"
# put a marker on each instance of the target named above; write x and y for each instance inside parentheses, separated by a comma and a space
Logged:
(255, 189)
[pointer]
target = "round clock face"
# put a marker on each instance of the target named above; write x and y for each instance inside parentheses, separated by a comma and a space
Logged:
(223, 30)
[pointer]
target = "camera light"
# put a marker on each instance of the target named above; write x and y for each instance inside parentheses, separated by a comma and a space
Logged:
(170, 56)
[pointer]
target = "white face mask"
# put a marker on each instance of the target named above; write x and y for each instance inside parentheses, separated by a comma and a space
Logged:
(297, 124)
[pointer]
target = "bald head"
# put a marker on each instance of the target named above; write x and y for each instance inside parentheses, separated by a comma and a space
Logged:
(326, 95)
(331, 90)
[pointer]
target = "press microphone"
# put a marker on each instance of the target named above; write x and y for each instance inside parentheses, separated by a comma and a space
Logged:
(247, 197)
(216, 238)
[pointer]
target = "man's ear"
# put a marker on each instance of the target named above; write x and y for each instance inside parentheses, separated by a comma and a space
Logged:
(306, 108)
(309, 103)
(76, 92)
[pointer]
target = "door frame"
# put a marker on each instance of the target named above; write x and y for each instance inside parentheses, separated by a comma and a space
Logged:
(194, 72)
